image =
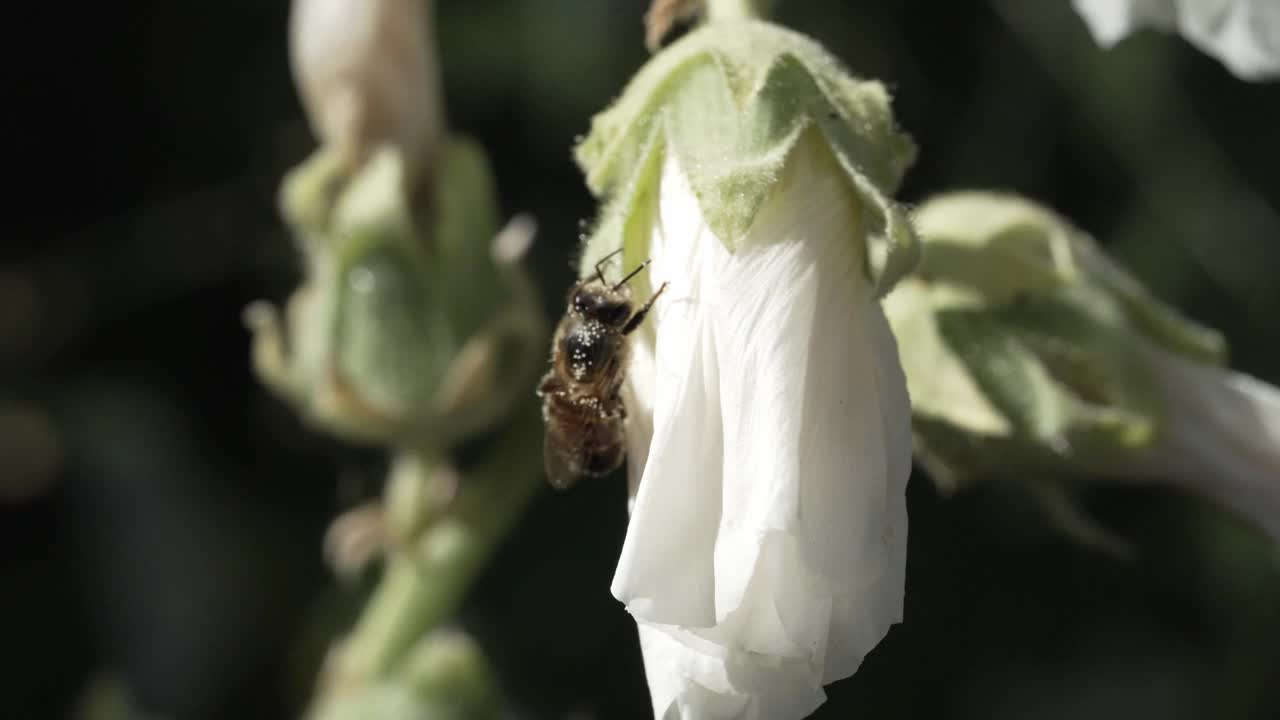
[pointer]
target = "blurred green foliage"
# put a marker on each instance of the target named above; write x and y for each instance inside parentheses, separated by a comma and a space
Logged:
(175, 536)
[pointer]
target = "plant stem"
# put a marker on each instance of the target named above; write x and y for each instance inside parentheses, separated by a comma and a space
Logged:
(386, 627)
(426, 578)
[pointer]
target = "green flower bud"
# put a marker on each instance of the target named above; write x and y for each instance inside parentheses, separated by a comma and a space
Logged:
(413, 324)
(449, 668)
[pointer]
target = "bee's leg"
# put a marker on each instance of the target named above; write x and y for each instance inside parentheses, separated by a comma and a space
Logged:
(603, 260)
(638, 318)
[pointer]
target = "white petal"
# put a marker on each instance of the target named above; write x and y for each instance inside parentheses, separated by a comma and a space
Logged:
(1111, 20)
(1242, 34)
(1223, 437)
(637, 394)
(769, 528)
(367, 74)
(666, 570)
(691, 678)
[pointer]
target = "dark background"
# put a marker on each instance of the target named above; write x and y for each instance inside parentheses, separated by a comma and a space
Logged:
(161, 514)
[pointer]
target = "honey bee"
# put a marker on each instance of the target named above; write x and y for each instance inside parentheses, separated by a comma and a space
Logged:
(581, 393)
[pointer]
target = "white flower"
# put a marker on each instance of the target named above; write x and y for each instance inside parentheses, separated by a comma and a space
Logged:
(769, 433)
(1243, 34)
(768, 424)
(367, 74)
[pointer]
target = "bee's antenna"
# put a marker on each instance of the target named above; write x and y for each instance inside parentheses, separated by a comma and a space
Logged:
(632, 274)
(603, 260)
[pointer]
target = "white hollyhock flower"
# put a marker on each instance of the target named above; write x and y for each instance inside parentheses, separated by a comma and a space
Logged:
(770, 435)
(367, 75)
(767, 416)
(1243, 34)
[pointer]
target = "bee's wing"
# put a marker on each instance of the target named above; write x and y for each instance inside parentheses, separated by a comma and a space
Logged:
(562, 460)
(561, 452)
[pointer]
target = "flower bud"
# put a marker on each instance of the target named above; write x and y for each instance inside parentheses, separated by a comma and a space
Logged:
(1030, 355)
(767, 419)
(409, 327)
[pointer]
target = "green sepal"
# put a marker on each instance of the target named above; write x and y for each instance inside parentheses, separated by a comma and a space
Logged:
(1026, 349)
(1000, 246)
(628, 217)
(1056, 381)
(1158, 321)
(731, 100)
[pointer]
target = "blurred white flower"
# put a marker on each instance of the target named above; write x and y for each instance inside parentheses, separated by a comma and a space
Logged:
(1243, 34)
(769, 437)
(1221, 436)
(368, 75)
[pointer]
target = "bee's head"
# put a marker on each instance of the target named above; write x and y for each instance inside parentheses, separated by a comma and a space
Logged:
(606, 305)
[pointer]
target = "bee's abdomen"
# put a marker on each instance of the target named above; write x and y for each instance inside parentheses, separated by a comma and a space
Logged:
(603, 458)
(589, 430)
